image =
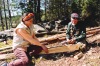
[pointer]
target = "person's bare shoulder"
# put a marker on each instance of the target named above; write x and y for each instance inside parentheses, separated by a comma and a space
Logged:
(21, 31)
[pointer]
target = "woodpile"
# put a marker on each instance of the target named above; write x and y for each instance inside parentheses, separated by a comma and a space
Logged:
(54, 46)
(93, 39)
(93, 33)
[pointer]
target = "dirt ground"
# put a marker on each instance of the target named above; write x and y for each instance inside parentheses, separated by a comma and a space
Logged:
(90, 57)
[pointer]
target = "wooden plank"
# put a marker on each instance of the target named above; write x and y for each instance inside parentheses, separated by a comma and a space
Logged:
(5, 48)
(58, 49)
(65, 48)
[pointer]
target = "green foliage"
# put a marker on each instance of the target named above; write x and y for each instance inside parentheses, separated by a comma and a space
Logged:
(56, 9)
(27, 7)
(43, 18)
(15, 18)
(89, 10)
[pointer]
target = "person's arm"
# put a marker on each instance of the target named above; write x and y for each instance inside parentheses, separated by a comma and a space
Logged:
(25, 35)
(68, 32)
(82, 34)
(43, 46)
(35, 37)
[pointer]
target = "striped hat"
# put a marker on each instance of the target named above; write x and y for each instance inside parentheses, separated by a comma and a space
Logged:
(74, 15)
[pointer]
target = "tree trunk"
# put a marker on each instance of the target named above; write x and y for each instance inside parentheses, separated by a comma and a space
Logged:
(5, 14)
(2, 24)
(38, 10)
(45, 11)
(10, 22)
(35, 10)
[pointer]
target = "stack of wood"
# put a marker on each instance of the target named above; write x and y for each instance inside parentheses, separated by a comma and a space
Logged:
(54, 46)
(91, 35)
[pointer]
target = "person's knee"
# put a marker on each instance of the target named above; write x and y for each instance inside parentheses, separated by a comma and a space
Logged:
(25, 60)
(37, 50)
(19, 62)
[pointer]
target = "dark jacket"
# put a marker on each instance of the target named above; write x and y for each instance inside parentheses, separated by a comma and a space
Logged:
(77, 31)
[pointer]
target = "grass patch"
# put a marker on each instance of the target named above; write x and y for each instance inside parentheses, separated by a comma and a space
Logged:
(2, 45)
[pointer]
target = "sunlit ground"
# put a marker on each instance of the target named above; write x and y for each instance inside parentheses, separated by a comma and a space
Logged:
(2, 44)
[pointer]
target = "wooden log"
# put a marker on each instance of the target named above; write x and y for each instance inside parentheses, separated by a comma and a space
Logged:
(7, 56)
(58, 36)
(49, 33)
(6, 51)
(93, 32)
(97, 41)
(55, 32)
(93, 28)
(52, 37)
(93, 38)
(78, 56)
(5, 48)
(63, 38)
(90, 35)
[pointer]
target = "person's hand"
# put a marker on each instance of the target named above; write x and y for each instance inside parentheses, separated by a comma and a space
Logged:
(45, 48)
(73, 41)
(68, 41)
(63, 42)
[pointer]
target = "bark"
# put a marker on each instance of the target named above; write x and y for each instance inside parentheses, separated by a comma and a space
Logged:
(5, 14)
(1, 18)
(10, 22)
(38, 11)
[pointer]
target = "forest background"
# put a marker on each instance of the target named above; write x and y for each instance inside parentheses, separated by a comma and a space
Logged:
(48, 10)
